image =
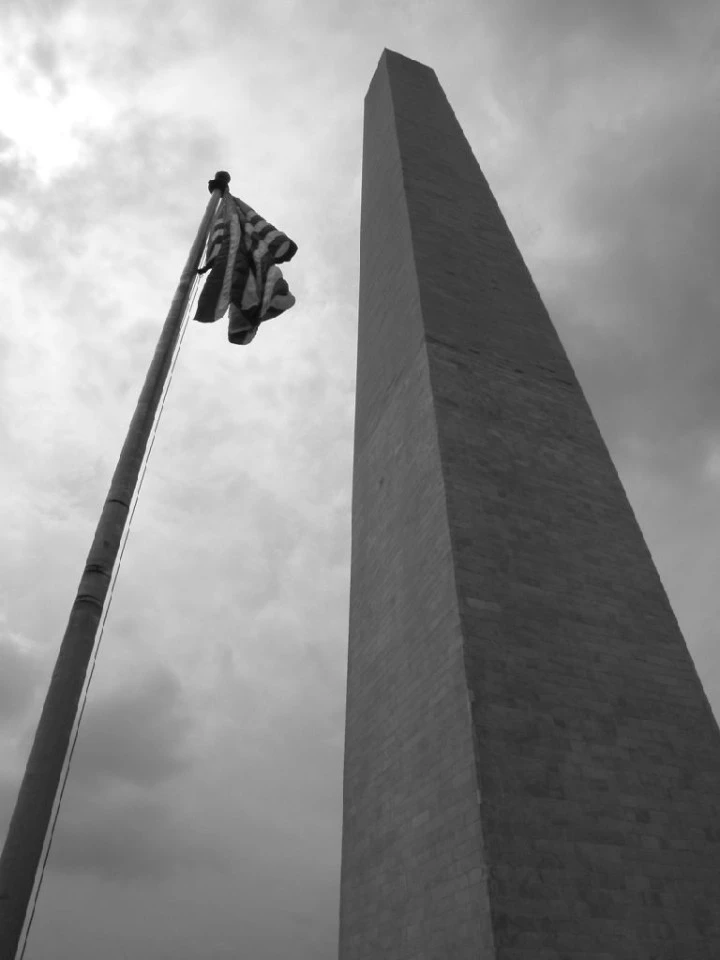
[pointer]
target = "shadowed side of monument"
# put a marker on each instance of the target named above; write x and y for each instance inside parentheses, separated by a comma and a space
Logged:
(532, 768)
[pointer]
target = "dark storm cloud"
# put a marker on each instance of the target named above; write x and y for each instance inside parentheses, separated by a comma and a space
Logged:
(114, 821)
(12, 174)
(46, 61)
(560, 44)
(650, 299)
(136, 735)
(124, 839)
(637, 25)
(15, 174)
(20, 674)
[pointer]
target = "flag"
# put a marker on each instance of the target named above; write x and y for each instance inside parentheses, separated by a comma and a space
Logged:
(242, 256)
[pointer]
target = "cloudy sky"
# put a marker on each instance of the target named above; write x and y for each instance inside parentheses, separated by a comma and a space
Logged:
(202, 815)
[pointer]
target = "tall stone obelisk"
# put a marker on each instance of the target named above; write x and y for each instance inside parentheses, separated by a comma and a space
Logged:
(532, 768)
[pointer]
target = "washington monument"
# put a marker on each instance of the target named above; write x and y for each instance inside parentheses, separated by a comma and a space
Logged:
(532, 768)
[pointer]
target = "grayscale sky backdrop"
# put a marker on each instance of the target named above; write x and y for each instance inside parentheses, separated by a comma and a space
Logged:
(202, 813)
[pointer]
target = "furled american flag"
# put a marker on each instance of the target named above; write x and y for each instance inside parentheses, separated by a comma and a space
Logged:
(242, 256)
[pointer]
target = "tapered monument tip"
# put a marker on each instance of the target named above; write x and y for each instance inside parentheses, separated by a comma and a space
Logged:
(219, 181)
(388, 55)
(393, 63)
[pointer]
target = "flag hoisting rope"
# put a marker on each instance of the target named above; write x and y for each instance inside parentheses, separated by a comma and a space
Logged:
(33, 809)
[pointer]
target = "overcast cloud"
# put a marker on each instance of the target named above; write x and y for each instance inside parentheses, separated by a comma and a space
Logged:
(202, 814)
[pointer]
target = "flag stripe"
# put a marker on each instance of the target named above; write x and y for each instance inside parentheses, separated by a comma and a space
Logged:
(233, 246)
(217, 259)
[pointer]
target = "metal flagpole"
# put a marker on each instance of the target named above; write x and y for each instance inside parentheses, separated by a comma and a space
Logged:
(33, 809)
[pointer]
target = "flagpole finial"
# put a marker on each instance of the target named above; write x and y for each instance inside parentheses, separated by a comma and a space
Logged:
(219, 182)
